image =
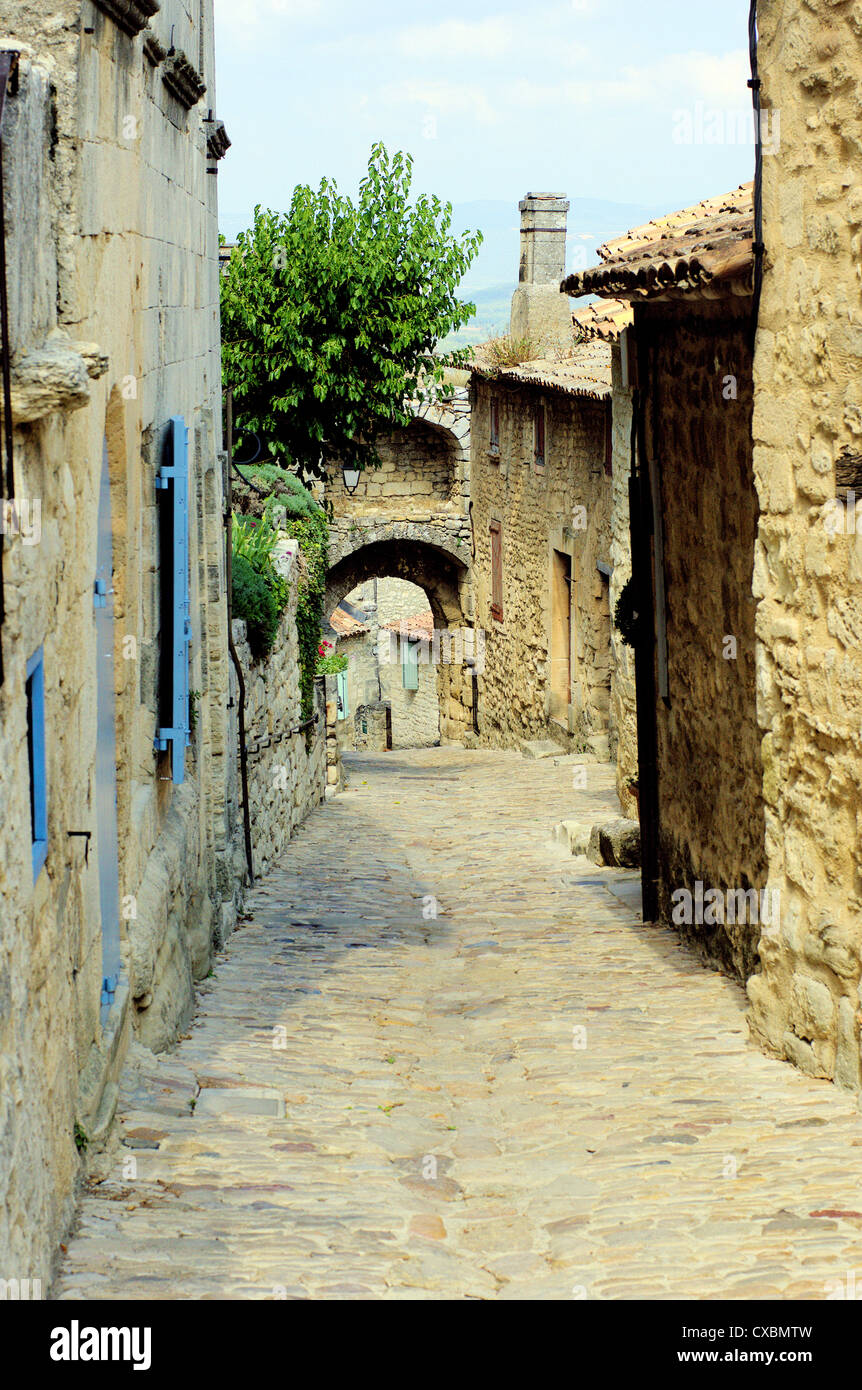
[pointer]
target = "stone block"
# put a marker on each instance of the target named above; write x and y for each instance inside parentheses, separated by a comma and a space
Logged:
(540, 748)
(615, 843)
(237, 1101)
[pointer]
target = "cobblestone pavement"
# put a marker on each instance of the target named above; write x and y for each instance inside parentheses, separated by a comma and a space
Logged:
(376, 1103)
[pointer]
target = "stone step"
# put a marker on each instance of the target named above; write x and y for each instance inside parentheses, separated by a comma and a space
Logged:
(541, 748)
(601, 746)
(573, 835)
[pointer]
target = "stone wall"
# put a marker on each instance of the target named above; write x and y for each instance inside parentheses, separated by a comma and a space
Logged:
(539, 519)
(710, 807)
(410, 520)
(374, 666)
(807, 435)
(112, 264)
(623, 725)
(419, 474)
(286, 769)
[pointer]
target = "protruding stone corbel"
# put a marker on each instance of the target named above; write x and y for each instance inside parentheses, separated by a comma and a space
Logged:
(183, 80)
(129, 15)
(218, 143)
(53, 377)
(154, 51)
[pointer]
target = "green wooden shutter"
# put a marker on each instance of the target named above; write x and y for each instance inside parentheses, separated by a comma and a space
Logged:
(343, 700)
(410, 666)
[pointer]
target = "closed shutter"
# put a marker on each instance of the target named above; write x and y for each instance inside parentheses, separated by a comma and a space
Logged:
(496, 571)
(173, 485)
(410, 665)
(341, 690)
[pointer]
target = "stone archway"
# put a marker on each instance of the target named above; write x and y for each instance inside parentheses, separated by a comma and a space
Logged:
(442, 573)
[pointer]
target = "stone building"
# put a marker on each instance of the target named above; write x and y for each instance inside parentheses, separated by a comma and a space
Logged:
(689, 354)
(745, 376)
(807, 430)
(541, 495)
(117, 760)
(606, 322)
(409, 519)
(388, 638)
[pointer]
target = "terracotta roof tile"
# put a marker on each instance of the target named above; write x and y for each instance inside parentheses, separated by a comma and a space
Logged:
(584, 371)
(605, 320)
(420, 625)
(684, 251)
(345, 626)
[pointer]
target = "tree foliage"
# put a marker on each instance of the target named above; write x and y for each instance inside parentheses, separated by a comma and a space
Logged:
(331, 314)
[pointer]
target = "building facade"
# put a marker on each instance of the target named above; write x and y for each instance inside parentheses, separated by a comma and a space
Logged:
(541, 500)
(118, 757)
(744, 356)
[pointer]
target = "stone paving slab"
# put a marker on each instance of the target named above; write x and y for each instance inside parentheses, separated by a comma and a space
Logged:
(484, 1076)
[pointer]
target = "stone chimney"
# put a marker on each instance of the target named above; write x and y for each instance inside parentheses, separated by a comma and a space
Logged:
(540, 312)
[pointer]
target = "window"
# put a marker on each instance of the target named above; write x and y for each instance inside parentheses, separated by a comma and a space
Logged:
(609, 440)
(496, 571)
(494, 442)
(36, 757)
(539, 435)
(410, 665)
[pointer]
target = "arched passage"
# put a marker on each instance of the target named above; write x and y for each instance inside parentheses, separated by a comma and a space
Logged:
(444, 578)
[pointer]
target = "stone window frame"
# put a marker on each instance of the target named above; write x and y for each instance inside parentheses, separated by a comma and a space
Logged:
(494, 427)
(540, 435)
(495, 531)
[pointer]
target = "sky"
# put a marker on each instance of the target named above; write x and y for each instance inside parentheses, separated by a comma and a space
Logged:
(614, 100)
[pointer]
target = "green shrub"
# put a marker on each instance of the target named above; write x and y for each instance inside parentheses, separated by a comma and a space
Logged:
(288, 509)
(254, 601)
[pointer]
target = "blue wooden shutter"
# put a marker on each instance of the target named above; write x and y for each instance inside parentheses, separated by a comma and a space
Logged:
(173, 483)
(35, 677)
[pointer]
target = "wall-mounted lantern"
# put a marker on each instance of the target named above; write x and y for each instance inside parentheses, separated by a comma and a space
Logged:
(351, 478)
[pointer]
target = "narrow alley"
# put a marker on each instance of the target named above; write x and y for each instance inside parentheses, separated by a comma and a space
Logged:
(419, 1071)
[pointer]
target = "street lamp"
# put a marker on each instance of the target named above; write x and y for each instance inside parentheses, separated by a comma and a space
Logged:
(351, 478)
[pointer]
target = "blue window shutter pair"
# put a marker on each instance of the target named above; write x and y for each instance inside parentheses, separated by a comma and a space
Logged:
(35, 675)
(343, 700)
(173, 484)
(410, 666)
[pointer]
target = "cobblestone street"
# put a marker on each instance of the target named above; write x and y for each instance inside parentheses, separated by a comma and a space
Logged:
(528, 1095)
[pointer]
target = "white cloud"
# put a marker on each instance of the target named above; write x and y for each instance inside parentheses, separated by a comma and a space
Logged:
(717, 80)
(449, 98)
(247, 23)
(459, 38)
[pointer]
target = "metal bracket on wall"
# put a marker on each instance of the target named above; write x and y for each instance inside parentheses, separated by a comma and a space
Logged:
(85, 836)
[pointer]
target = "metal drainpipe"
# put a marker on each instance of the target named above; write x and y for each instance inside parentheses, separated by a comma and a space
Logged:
(243, 750)
(755, 84)
(8, 83)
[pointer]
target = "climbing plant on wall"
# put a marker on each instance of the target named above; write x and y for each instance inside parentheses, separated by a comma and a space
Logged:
(331, 313)
(270, 502)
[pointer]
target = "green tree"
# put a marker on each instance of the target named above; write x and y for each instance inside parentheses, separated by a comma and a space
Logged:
(331, 313)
